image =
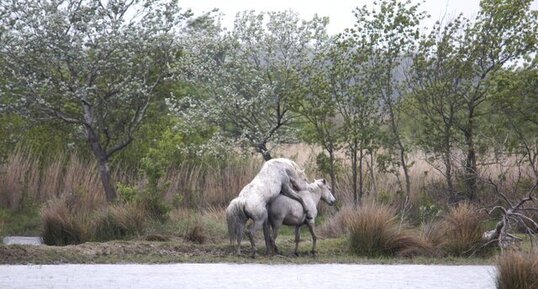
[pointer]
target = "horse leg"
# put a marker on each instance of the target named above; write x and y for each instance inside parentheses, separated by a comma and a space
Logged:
(297, 239)
(276, 227)
(311, 227)
(255, 226)
(269, 241)
(239, 238)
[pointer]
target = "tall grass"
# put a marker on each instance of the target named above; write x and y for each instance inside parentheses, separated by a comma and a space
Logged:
(375, 230)
(24, 179)
(459, 232)
(61, 226)
(516, 270)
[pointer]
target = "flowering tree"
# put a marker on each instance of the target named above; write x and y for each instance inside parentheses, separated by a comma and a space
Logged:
(92, 64)
(248, 75)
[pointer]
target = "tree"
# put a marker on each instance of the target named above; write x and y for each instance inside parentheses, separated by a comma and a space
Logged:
(92, 64)
(352, 86)
(316, 105)
(502, 34)
(248, 75)
(390, 32)
(434, 85)
(514, 100)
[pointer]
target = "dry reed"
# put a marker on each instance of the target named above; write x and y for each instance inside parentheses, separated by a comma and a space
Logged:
(517, 270)
(459, 232)
(375, 230)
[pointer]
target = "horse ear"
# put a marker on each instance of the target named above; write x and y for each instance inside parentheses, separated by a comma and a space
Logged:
(324, 181)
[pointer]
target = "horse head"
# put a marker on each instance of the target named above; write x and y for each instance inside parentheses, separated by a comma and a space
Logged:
(326, 194)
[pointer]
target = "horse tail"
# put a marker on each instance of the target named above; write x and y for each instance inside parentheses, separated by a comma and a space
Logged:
(236, 219)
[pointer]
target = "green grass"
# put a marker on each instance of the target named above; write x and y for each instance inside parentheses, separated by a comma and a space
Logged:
(23, 223)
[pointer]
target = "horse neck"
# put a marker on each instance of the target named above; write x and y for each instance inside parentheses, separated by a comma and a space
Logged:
(315, 192)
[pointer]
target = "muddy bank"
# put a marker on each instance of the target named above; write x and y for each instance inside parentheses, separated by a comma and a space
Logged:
(179, 251)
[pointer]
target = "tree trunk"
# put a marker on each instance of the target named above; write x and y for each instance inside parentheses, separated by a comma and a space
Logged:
(102, 159)
(332, 173)
(405, 169)
(353, 155)
(401, 148)
(106, 179)
(262, 149)
(370, 167)
(470, 162)
(448, 166)
(361, 182)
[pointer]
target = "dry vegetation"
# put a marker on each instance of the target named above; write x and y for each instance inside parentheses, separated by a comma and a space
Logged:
(516, 270)
(459, 232)
(189, 204)
(375, 230)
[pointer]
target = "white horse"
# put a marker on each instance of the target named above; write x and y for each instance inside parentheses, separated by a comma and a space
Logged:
(284, 210)
(276, 176)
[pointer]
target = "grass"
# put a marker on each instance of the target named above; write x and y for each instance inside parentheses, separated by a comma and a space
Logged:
(459, 232)
(516, 270)
(375, 230)
(26, 222)
(194, 229)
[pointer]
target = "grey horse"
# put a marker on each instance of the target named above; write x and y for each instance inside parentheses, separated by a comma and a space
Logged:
(277, 176)
(284, 210)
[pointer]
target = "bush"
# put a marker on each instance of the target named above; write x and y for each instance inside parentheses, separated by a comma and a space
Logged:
(374, 230)
(459, 232)
(118, 222)
(155, 206)
(517, 271)
(74, 220)
(60, 226)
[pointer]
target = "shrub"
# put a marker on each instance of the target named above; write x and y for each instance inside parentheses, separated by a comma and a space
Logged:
(60, 226)
(517, 271)
(374, 230)
(459, 232)
(118, 222)
(155, 206)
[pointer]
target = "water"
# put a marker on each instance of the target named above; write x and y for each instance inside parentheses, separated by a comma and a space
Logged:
(21, 240)
(253, 276)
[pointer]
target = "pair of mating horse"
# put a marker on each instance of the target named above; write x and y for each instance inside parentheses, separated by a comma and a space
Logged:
(270, 200)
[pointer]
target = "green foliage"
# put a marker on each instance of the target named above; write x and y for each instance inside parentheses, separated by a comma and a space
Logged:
(250, 73)
(127, 194)
(91, 65)
(24, 222)
(323, 164)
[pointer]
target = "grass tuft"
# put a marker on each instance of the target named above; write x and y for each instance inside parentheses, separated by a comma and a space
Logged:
(459, 232)
(60, 226)
(117, 222)
(516, 270)
(374, 230)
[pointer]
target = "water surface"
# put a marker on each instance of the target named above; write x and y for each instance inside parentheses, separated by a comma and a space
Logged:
(253, 276)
